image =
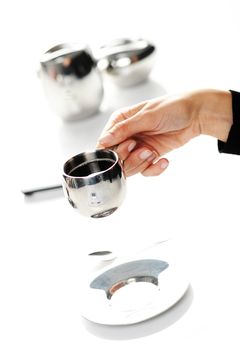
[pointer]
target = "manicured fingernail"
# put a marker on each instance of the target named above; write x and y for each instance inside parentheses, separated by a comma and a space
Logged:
(131, 146)
(164, 165)
(107, 139)
(145, 154)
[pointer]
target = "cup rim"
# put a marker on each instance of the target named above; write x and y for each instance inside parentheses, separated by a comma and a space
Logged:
(61, 50)
(87, 161)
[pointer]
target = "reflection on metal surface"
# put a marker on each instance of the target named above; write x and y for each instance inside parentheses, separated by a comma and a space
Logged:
(120, 284)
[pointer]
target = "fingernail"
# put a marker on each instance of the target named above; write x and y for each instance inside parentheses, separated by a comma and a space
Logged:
(107, 139)
(131, 146)
(164, 165)
(145, 154)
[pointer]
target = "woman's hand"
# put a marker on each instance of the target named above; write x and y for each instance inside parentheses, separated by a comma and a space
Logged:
(143, 133)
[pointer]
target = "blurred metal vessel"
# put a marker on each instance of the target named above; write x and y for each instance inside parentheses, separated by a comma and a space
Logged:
(126, 62)
(71, 80)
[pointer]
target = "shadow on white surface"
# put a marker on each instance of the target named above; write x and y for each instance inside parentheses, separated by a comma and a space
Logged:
(145, 328)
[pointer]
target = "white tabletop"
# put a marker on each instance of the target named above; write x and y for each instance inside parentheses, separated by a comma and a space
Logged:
(44, 242)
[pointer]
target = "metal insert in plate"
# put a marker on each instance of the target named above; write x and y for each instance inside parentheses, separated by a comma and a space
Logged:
(144, 270)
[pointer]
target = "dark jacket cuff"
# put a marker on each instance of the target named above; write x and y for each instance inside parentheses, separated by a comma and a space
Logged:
(232, 145)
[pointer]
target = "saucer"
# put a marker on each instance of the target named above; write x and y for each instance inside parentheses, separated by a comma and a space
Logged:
(134, 291)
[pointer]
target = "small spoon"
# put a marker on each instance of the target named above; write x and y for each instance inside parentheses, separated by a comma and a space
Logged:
(31, 191)
(107, 255)
(103, 255)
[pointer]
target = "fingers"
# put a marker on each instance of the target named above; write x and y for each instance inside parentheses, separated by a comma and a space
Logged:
(124, 149)
(124, 129)
(120, 132)
(118, 116)
(138, 161)
(139, 154)
(157, 168)
(145, 162)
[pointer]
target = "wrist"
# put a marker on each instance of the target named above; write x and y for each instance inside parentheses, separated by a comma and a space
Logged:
(213, 109)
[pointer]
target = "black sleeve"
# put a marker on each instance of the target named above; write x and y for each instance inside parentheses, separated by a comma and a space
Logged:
(232, 145)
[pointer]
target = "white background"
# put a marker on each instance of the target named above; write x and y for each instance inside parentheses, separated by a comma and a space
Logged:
(43, 242)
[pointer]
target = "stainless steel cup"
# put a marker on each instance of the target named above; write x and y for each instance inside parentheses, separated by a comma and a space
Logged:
(71, 80)
(94, 182)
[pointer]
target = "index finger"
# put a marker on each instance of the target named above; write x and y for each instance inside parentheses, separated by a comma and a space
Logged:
(119, 116)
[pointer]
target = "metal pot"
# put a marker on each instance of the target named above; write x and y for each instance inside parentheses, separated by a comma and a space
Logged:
(71, 80)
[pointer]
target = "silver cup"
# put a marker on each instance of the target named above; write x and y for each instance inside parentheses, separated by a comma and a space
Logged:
(71, 81)
(94, 182)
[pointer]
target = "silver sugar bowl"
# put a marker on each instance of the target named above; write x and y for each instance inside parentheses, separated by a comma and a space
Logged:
(126, 62)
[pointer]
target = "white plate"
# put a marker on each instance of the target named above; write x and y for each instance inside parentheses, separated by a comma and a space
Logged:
(138, 301)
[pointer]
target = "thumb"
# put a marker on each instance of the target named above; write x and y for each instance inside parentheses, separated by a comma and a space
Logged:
(123, 130)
